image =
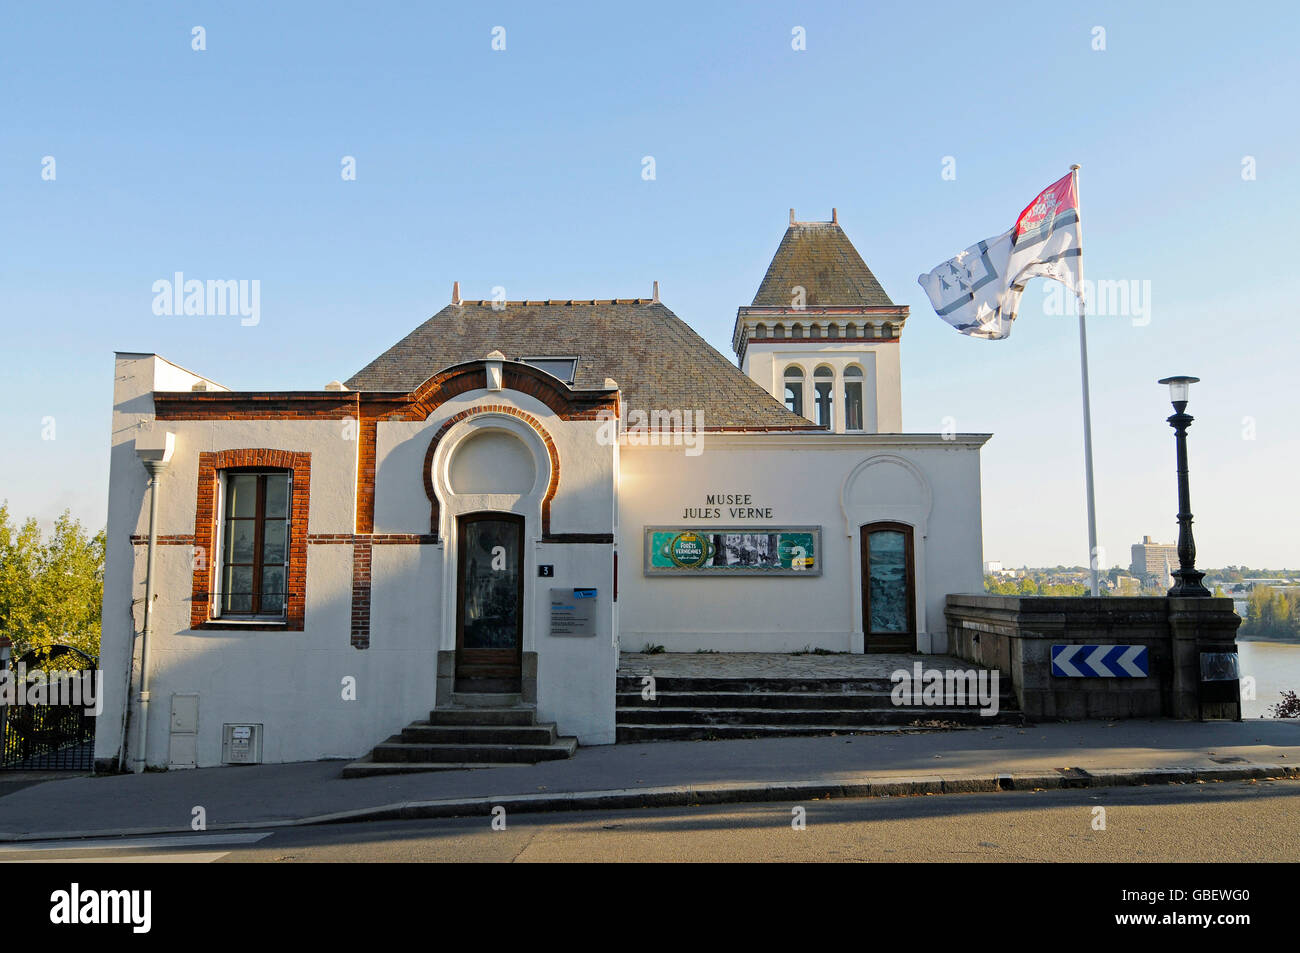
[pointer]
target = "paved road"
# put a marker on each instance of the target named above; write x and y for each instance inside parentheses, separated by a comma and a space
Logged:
(1235, 821)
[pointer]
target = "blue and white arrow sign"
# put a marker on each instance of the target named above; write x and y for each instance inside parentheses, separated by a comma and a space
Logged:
(1100, 661)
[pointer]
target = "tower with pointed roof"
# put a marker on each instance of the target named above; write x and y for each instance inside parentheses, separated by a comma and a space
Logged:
(822, 336)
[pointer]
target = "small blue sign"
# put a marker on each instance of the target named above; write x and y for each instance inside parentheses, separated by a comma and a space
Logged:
(1100, 661)
(584, 593)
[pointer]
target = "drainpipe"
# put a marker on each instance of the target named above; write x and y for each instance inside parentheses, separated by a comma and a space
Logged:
(155, 452)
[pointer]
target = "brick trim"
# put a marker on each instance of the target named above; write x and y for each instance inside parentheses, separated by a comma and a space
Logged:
(254, 405)
(434, 510)
(205, 533)
(368, 408)
(604, 538)
(361, 593)
(379, 539)
(179, 539)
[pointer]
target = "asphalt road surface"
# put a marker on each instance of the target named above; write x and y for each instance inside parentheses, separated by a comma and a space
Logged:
(1230, 822)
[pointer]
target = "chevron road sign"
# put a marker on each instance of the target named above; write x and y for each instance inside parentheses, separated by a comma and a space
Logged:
(1100, 661)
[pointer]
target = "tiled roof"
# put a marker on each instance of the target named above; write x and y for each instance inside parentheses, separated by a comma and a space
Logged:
(819, 257)
(658, 361)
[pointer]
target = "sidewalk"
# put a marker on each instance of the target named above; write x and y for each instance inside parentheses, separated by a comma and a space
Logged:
(665, 773)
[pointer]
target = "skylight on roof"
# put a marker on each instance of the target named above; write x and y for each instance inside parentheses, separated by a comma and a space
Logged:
(561, 367)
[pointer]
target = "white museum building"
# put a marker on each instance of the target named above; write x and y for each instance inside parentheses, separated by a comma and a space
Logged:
(505, 497)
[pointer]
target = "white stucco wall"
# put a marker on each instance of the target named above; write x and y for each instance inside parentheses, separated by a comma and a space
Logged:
(924, 480)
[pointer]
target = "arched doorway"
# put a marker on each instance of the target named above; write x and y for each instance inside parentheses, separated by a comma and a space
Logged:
(888, 588)
(489, 602)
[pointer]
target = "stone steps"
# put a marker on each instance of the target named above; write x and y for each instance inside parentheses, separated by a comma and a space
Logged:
(848, 718)
(519, 715)
(490, 731)
(634, 734)
(368, 767)
(399, 750)
(718, 683)
(702, 707)
(471, 734)
(811, 700)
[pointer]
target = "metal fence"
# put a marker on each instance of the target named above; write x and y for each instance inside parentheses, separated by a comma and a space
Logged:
(46, 738)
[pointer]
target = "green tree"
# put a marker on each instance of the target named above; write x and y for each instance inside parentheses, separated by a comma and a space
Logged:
(1272, 613)
(51, 590)
(1028, 587)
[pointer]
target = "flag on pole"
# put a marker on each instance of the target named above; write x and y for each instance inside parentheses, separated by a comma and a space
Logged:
(978, 291)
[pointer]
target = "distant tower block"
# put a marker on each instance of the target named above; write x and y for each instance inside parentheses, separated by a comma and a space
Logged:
(821, 334)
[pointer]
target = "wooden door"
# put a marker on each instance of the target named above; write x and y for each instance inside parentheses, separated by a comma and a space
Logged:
(888, 588)
(489, 602)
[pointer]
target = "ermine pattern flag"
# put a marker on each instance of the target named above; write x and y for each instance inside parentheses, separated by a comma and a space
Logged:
(978, 291)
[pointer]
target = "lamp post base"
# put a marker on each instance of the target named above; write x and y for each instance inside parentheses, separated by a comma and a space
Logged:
(1187, 583)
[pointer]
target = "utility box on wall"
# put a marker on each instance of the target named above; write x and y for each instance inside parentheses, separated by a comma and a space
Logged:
(183, 740)
(241, 744)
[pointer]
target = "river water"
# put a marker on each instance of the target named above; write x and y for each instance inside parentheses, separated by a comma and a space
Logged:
(1275, 666)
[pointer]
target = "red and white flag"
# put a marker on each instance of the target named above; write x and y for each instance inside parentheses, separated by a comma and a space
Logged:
(978, 291)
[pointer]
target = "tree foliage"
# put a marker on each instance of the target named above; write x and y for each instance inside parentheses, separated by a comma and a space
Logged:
(51, 590)
(1027, 586)
(1272, 613)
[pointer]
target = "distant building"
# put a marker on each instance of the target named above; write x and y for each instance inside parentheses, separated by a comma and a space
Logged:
(1128, 586)
(1153, 563)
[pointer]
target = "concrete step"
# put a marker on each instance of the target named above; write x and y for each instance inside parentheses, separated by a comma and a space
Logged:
(397, 750)
(422, 733)
(485, 700)
(840, 717)
(518, 715)
(808, 701)
(634, 733)
(367, 767)
(691, 683)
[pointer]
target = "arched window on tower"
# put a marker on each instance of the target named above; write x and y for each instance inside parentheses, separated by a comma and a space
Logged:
(824, 396)
(794, 389)
(853, 397)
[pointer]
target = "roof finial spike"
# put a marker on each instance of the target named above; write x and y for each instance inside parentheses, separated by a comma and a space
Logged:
(835, 216)
(455, 292)
(791, 216)
(655, 297)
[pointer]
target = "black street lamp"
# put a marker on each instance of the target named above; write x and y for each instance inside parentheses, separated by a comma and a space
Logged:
(1187, 578)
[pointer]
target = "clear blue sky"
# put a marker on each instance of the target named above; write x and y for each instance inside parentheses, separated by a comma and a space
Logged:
(522, 168)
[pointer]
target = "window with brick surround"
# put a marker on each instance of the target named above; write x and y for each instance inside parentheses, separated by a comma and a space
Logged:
(254, 534)
(212, 530)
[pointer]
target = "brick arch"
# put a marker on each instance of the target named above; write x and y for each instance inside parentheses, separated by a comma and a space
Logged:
(551, 391)
(434, 509)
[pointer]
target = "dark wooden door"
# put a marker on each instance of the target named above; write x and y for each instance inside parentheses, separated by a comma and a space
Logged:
(489, 602)
(888, 588)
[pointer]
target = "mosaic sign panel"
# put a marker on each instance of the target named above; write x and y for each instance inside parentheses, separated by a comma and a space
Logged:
(733, 551)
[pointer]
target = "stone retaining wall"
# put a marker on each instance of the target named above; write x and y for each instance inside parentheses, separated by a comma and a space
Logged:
(1015, 634)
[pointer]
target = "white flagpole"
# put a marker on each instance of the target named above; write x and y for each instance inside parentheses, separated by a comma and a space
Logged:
(1087, 416)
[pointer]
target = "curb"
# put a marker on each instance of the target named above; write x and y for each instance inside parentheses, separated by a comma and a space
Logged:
(721, 793)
